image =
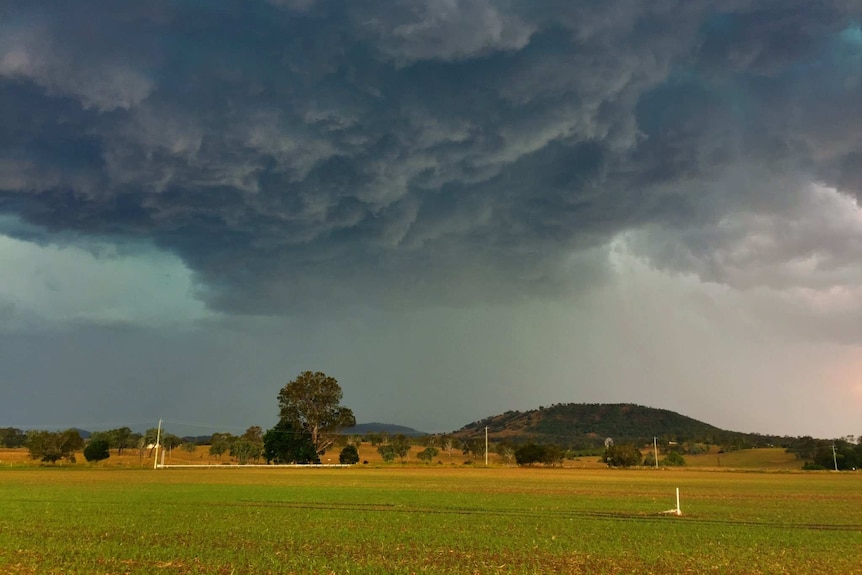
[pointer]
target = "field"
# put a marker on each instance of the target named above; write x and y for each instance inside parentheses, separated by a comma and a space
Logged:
(426, 519)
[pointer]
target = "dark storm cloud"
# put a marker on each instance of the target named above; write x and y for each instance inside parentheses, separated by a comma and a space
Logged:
(301, 152)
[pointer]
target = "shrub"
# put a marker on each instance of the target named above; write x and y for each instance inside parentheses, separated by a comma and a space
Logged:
(673, 459)
(349, 455)
(96, 450)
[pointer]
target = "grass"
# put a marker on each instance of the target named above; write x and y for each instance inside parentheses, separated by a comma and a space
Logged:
(434, 519)
(763, 458)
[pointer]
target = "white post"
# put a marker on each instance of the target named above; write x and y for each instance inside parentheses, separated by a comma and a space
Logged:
(486, 446)
(834, 457)
(158, 439)
(678, 510)
(655, 449)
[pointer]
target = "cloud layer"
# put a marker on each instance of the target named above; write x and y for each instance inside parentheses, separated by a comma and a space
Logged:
(298, 155)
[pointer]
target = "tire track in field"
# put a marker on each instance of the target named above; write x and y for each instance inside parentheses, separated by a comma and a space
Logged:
(531, 513)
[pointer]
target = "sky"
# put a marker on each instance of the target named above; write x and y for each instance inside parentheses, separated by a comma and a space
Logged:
(454, 207)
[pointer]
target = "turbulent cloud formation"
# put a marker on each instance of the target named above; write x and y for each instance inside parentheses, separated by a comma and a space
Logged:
(461, 149)
(309, 155)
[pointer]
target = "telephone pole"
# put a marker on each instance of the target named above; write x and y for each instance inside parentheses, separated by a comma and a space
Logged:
(158, 439)
(486, 446)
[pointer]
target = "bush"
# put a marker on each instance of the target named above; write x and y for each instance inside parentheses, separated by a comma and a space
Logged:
(349, 455)
(387, 452)
(427, 454)
(622, 456)
(96, 450)
(529, 454)
(673, 459)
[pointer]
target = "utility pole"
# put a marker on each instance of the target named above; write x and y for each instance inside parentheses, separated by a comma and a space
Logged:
(834, 457)
(158, 440)
(486, 446)
(655, 450)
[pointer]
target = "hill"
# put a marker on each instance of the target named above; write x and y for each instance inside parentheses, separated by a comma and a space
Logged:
(365, 428)
(586, 426)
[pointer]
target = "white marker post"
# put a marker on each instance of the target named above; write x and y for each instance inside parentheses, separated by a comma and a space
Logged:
(676, 511)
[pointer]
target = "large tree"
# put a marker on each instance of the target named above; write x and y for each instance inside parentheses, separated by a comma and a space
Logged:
(312, 402)
(50, 446)
(286, 443)
(12, 437)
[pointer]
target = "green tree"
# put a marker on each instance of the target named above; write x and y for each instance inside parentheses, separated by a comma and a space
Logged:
(622, 455)
(254, 436)
(349, 455)
(401, 445)
(245, 450)
(673, 459)
(286, 443)
(220, 443)
(122, 439)
(846, 455)
(12, 437)
(51, 446)
(472, 447)
(189, 447)
(97, 450)
(312, 402)
(529, 454)
(169, 441)
(428, 454)
(387, 452)
(553, 454)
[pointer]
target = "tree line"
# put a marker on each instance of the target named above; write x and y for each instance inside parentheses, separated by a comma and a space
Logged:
(311, 418)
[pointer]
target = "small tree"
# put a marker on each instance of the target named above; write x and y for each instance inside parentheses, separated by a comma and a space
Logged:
(349, 455)
(472, 447)
(529, 454)
(189, 447)
(97, 450)
(622, 455)
(169, 441)
(553, 454)
(428, 454)
(220, 443)
(448, 443)
(387, 452)
(673, 459)
(245, 450)
(122, 438)
(506, 452)
(401, 445)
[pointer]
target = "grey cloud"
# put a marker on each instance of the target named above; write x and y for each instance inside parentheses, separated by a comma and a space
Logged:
(297, 154)
(33, 48)
(815, 244)
(408, 31)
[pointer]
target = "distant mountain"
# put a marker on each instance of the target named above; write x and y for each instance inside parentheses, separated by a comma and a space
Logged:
(364, 428)
(586, 426)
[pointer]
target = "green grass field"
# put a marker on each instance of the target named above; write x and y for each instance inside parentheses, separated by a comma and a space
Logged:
(431, 520)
